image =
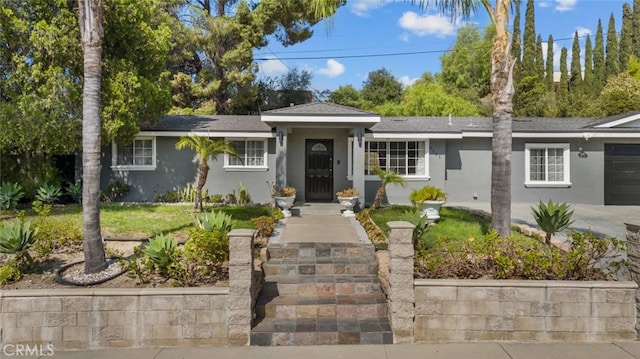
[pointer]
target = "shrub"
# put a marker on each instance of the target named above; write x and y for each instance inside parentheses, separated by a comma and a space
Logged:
(10, 195)
(56, 237)
(215, 221)
(206, 247)
(231, 198)
(41, 209)
(375, 234)
(243, 194)
(217, 198)
(16, 238)
(9, 272)
(75, 191)
(114, 190)
(552, 218)
(426, 193)
(49, 194)
(264, 226)
(171, 196)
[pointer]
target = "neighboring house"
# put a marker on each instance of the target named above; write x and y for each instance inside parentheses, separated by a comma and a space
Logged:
(322, 148)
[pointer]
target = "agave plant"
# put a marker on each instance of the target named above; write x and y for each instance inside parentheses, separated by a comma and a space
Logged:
(161, 251)
(75, 191)
(552, 218)
(16, 238)
(10, 194)
(215, 221)
(49, 194)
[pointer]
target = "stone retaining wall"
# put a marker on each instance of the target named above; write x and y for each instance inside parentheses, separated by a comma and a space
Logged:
(513, 310)
(105, 318)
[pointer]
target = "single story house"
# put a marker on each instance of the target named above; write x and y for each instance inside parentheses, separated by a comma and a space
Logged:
(322, 148)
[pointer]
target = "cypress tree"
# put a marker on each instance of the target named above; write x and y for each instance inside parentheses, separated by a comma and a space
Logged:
(587, 83)
(626, 36)
(539, 60)
(612, 61)
(563, 85)
(598, 60)
(635, 37)
(529, 42)
(516, 49)
(549, 66)
(575, 77)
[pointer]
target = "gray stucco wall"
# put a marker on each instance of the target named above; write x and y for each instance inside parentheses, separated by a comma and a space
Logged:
(177, 168)
(296, 156)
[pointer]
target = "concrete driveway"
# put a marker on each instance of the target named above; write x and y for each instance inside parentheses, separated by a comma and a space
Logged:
(602, 220)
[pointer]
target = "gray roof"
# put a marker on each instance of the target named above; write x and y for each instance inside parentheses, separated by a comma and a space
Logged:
(217, 123)
(318, 109)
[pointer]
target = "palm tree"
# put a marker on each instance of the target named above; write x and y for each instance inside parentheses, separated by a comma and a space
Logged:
(502, 91)
(204, 148)
(386, 177)
(90, 18)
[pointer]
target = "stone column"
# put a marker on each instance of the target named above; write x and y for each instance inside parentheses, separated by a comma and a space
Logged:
(240, 304)
(401, 293)
(633, 257)
(281, 157)
(358, 163)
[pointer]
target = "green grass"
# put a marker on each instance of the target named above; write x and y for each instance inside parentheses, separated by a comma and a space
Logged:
(454, 224)
(137, 221)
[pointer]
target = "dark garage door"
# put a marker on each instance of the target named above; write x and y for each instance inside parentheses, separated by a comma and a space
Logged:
(621, 174)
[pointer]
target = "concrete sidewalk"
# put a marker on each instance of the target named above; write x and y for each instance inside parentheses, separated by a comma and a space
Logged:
(622, 350)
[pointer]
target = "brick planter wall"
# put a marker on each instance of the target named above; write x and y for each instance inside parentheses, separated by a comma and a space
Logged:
(105, 318)
(483, 310)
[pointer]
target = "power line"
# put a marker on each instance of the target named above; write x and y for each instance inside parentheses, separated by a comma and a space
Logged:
(353, 56)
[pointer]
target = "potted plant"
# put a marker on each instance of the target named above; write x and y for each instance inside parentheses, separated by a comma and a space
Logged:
(430, 198)
(285, 200)
(348, 198)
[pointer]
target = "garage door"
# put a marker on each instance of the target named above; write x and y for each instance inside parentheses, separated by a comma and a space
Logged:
(621, 174)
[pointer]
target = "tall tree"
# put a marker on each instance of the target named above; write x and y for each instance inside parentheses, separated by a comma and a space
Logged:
(516, 38)
(539, 60)
(562, 94)
(549, 64)
(90, 18)
(575, 77)
(626, 37)
(529, 42)
(598, 60)
(612, 60)
(466, 67)
(381, 86)
(346, 95)
(636, 29)
(588, 68)
(205, 149)
(502, 64)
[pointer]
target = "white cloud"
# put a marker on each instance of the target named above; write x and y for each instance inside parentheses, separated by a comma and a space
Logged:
(333, 69)
(408, 81)
(423, 25)
(583, 31)
(363, 7)
(273, 66)
(565, 5)
(404, 37)
(544, 4)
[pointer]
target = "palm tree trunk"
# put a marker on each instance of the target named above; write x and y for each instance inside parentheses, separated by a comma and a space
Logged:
(502, 94)
(90, 19)
(379, 196)
(202, 179)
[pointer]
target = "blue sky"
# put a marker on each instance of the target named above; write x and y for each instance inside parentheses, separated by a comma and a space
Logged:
(364, 35)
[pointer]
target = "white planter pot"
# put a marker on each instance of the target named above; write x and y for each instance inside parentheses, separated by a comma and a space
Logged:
(348, 203)
(285, 203)
(431, 209)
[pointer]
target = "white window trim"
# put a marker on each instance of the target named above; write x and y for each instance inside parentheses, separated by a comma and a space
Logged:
(114, 157)
(566, 154)
(424, 177)
(245, 168)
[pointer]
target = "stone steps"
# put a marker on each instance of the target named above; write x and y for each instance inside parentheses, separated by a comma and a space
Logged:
(321, 293)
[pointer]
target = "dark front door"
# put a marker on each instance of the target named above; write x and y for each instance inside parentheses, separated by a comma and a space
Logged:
(318, 172)
(622, 174)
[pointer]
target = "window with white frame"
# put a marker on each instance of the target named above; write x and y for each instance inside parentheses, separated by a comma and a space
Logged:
(547, 164)
(139, 154)
(407, 158)
(251, 154)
